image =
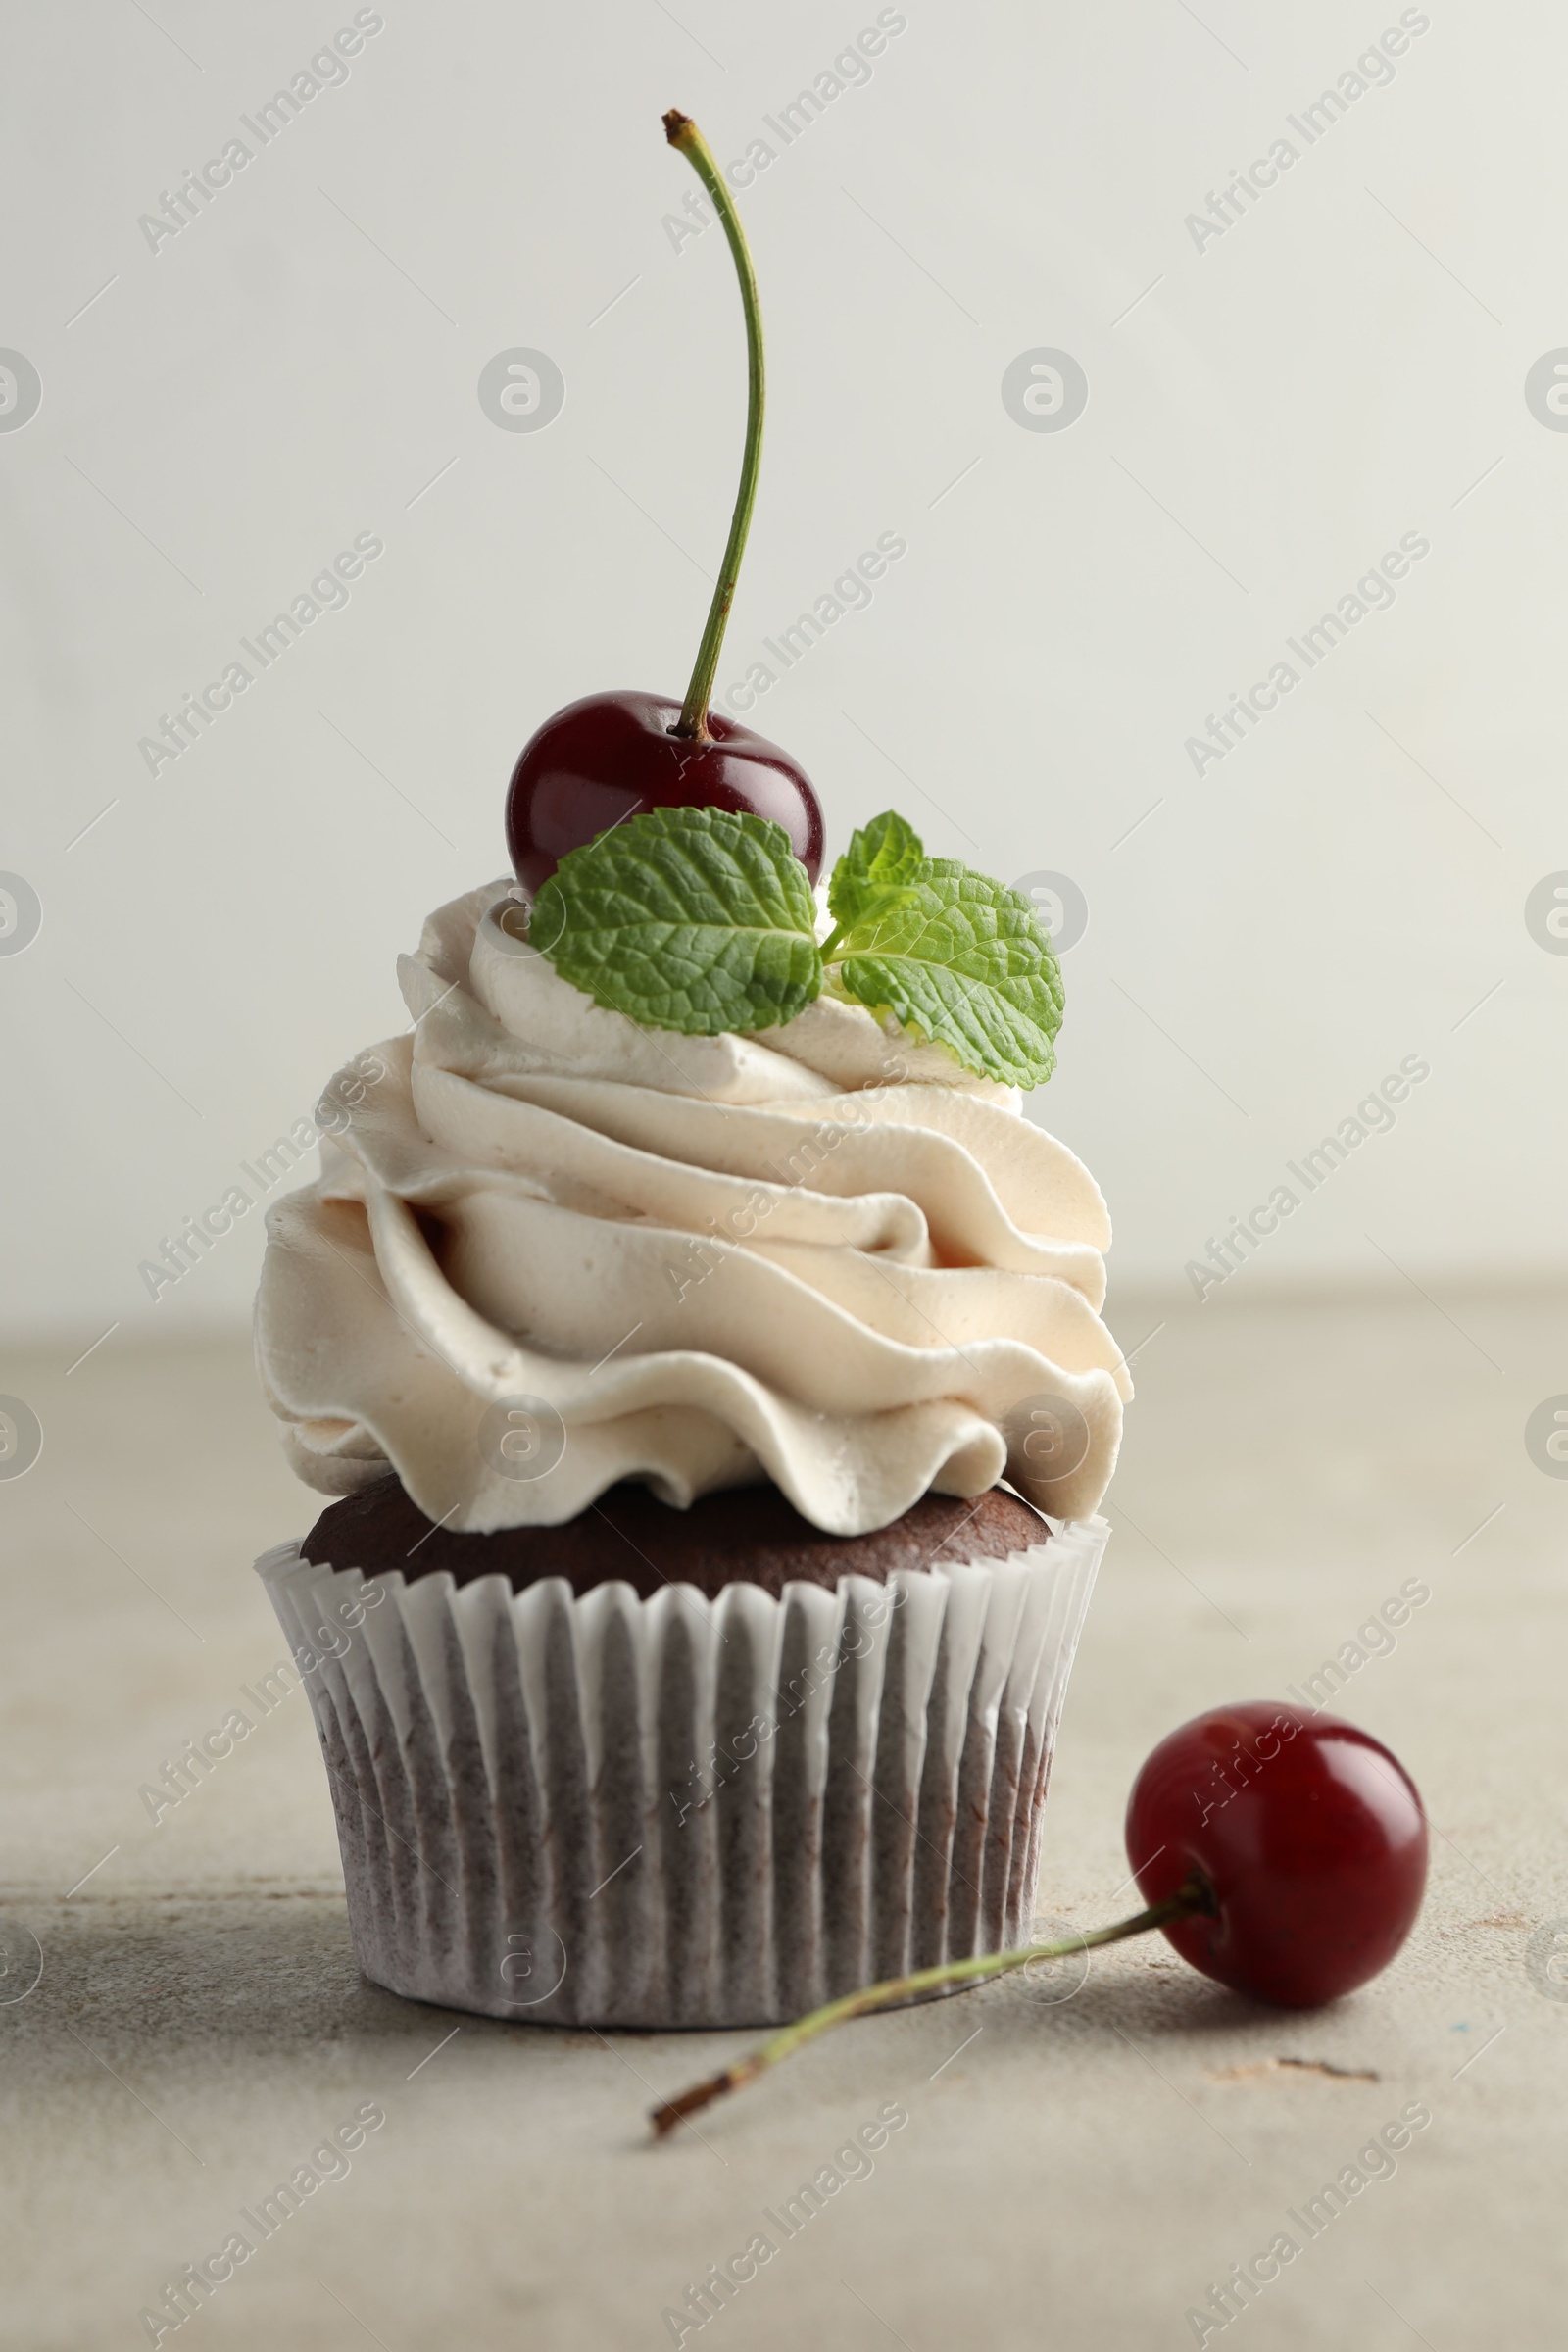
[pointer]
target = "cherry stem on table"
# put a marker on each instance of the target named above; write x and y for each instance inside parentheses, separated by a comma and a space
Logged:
(682, 132)
(1192, 1896)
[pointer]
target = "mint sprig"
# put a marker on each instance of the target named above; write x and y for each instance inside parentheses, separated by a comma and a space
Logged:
(876, 872)
(700, 921)
(687, 918)
(958, 959)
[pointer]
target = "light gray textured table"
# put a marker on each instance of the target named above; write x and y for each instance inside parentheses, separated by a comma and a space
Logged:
(1071, 2176)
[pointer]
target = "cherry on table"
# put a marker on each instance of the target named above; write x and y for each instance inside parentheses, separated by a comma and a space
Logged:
(1307, 1835)
(614, 755)
(1280, 1851)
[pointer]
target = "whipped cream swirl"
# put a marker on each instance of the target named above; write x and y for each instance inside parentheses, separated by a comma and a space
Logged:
(822, 1254)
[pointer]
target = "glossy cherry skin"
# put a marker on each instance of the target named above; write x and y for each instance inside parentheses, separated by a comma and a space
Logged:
(1309, 1833)
(611, 755)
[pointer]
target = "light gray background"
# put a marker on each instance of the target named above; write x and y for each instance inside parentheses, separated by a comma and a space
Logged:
(1344, 365)
(1265, 417)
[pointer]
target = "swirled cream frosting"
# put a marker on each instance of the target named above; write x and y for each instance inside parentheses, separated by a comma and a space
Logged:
(552, 1248)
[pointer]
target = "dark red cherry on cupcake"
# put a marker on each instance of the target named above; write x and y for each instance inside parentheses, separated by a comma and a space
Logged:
(614, 756)
(1306, 1837)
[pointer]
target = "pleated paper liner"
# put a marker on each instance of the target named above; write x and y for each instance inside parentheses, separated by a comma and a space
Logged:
(602, 1810)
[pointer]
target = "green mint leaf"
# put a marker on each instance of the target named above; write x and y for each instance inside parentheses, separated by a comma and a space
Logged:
(882, 860)
(962, 962)
(687, 918)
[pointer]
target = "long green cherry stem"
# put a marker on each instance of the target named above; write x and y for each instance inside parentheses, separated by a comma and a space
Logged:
(682, 132)
(1193, 1895)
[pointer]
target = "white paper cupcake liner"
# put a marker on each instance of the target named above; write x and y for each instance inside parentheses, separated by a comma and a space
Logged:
(602, 1810)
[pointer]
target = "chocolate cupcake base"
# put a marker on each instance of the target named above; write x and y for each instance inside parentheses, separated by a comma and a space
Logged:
(679, 1807)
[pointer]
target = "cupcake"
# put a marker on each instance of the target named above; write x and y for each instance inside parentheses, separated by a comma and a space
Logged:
(677, 1656)
(705, 1356)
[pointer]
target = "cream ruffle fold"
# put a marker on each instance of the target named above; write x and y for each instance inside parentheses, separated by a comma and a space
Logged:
(818, 1255)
